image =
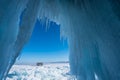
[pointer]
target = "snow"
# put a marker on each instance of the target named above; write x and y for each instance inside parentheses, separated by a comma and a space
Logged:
(57, 71)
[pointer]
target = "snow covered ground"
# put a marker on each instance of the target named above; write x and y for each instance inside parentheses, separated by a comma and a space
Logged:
(59, 71)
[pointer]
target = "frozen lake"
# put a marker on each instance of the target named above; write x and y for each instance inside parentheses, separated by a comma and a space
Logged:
(57, 71)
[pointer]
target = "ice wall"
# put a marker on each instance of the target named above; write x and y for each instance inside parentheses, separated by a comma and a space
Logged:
(10, 11)
(95, 41)
(92, 28)
(13, 34)
(93, 32)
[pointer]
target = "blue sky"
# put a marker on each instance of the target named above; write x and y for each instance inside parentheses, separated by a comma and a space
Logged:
(45, 45)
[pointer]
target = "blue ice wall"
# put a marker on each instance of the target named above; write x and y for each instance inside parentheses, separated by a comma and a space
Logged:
(9, 20)
(92, 28)
(14, 35)
(94, 40)
(93, 32)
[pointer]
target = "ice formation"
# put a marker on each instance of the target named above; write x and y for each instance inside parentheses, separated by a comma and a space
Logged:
(92, 28)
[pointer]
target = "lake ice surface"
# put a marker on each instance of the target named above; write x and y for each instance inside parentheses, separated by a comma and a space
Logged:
(58, 71)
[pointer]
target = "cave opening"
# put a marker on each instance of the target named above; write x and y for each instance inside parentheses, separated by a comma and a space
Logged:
(46, 42)
(44, 49)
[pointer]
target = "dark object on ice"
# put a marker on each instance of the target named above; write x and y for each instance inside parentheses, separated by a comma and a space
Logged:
(39, 64)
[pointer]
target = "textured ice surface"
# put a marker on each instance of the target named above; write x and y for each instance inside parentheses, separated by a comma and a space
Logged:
(58, 71)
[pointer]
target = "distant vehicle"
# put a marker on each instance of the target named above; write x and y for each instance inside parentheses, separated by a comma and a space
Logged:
(39, 64)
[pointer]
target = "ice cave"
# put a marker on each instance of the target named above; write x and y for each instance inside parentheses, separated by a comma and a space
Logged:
(92, 29)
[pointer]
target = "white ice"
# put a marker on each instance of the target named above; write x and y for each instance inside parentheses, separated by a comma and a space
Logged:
(57, 71)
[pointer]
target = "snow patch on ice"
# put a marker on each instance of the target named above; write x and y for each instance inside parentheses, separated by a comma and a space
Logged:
(45, 72)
